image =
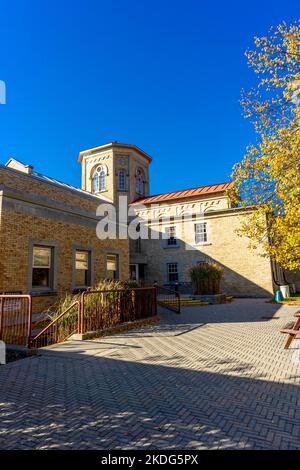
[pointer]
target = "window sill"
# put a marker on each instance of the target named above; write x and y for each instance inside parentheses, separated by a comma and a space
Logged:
(40, 293)
(202, 244)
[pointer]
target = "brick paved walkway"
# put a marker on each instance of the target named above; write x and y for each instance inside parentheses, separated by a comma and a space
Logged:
(214, 377)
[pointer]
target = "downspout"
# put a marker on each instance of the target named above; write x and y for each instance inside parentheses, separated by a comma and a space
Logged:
(274, 265)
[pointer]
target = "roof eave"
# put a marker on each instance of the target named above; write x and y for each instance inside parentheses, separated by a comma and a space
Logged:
(104, 147)
(173, 199)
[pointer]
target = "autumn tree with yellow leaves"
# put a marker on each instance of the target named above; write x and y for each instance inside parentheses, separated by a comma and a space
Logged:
(268, 177)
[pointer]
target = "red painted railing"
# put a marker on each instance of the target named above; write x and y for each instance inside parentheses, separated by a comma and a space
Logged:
(16, 319)
(97, 311)
(104, 309)
(60, 329)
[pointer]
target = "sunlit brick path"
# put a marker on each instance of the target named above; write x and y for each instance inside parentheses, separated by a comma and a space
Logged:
(213, 377)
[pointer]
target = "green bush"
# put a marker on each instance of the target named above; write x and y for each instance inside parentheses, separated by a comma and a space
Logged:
(206, 278)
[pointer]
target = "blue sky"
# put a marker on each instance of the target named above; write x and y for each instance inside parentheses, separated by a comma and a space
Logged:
(165, 75)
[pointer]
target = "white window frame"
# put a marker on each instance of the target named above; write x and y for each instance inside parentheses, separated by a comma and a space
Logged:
(201, 233)
(171, 239)
(99, 179)
(50, 267)
(175, 264)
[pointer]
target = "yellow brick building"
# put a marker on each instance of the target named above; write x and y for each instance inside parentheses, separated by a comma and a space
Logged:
(49, 243)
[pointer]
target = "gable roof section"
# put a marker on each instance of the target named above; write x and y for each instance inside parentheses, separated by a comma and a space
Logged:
(186, 193)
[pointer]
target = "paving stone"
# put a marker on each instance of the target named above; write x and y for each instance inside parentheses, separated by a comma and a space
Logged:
(214, 377)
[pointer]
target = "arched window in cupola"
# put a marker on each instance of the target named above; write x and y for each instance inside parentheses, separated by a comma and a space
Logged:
(140, 182)
(99, 179)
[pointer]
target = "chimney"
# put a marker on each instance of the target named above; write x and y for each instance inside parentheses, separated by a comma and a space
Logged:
(19, 166)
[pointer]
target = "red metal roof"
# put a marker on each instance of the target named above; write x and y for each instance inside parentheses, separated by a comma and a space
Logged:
(185, 193)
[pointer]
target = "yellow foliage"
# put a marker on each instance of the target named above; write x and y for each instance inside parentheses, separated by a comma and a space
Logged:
(268, 177)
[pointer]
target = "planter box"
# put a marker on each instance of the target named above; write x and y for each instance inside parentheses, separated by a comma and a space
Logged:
(206, 287)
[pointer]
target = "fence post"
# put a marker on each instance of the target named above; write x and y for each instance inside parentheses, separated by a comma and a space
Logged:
(155, 292)
(80, 313)
(29, 326)
(177, 295)
(155, 300)
(1, 316)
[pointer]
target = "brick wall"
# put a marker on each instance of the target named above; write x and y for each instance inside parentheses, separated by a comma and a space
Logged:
(17, 232)
(21, 223)
(246, 272)
(28, 183)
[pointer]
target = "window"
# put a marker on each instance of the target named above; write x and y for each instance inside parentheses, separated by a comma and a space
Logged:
(139, 182)
(172, 272)
(42, 267)
(99, 179)
(122, 180)
(134, 272)
(171, 234)
(138, 241)
(82, 268)
(201, 232)
(112, 267)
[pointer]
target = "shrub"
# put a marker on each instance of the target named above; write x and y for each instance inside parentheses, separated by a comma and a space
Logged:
(130, 284)
(93, 302)
(206, 278)
(108, 285)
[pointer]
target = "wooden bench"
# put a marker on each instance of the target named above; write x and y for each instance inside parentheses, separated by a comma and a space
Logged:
(292, 333)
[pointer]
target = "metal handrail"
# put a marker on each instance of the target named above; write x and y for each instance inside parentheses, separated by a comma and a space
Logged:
(175, 292)
(56, 320)
(110, 291)
(29, 322)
